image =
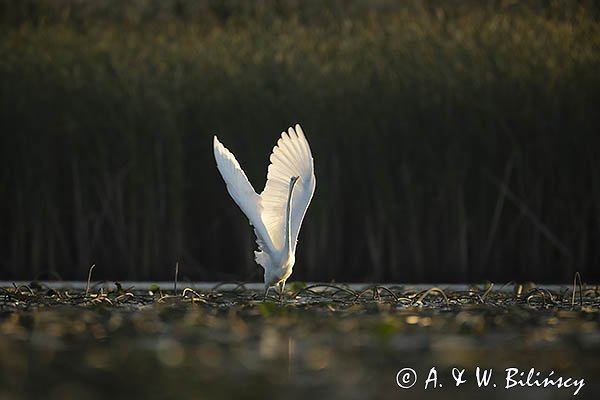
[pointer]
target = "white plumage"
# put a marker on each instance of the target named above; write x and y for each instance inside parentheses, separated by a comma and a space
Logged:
(276, 213)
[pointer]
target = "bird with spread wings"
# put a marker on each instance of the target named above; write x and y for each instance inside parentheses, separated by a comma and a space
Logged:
(277, 213)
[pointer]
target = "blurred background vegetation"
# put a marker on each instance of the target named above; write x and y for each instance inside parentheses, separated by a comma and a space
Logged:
(453, 141)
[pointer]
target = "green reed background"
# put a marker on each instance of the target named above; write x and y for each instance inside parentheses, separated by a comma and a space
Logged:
(453, 141)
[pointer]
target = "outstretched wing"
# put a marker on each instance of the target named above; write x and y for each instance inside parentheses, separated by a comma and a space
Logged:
(242, 192)
(291, 157)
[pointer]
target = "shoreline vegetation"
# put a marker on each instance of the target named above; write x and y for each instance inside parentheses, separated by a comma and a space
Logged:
(327, 341)
(452, 142)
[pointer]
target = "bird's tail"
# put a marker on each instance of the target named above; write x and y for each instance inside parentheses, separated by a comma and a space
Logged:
(262, 258)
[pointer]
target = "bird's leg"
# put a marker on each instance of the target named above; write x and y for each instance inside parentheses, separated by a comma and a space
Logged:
(281, 290)
(279, 286)
(266, 291)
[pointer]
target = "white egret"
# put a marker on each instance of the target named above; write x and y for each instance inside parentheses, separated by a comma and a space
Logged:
(277, 212)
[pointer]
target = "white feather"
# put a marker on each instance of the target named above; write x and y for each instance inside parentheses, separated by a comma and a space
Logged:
(291, 157)
(242, 192)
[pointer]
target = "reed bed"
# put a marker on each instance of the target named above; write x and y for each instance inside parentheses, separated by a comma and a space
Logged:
(453, 141)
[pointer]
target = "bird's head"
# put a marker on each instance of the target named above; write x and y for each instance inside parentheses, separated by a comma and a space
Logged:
(280, 271)
(271, 279)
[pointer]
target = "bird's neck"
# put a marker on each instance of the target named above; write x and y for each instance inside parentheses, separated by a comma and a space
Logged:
(287, 250)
